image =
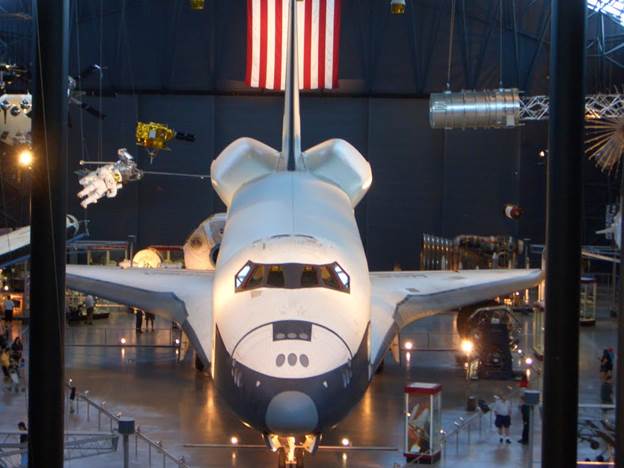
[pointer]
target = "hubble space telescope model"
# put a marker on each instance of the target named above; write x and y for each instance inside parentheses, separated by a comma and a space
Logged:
(290, 322)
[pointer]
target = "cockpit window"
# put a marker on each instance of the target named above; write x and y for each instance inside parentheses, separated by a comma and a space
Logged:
(292, 276)
(328, 277)
(275, 278)
(256, 277)
(309, 277)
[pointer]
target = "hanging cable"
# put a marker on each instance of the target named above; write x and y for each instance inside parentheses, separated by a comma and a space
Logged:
(500, 45)
(100, 123)
(450, 49)
(84, 153)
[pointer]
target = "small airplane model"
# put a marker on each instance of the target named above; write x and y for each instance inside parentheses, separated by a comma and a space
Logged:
(285, 314)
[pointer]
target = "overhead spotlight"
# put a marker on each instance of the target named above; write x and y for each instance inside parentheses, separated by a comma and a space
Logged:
(542, 153)
(528, 361)
(123, 341)
(409, 345)
(25, 158)
(197, 4)
(345, 442)
(397, 7)
(234, 440)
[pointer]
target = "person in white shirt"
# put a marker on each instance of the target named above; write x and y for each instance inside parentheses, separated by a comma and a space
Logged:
(502, 410)
(8, 306)
(90, 305)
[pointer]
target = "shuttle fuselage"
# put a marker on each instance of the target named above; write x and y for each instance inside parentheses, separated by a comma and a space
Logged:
(291, 356)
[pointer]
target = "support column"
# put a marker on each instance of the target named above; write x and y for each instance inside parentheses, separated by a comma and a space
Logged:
(619, 384)
(563, 233)
(49, 198)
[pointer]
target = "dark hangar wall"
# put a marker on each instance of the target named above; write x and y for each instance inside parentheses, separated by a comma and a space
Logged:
(166, 63)
(438, 182)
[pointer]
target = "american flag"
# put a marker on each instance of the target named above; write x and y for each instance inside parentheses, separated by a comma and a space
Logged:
(318, 43)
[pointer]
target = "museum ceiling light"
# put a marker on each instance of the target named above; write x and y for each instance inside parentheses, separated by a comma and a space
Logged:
(613, 8)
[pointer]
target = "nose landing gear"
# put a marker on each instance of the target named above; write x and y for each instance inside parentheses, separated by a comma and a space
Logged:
(290, 453)
(290, 457)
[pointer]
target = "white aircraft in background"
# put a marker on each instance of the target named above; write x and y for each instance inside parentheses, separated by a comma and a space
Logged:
(285, 312)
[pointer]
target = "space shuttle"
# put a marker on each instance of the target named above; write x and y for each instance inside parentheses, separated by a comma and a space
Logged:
(283, 310)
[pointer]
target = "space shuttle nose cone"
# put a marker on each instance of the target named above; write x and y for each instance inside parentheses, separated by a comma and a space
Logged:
(291, 412)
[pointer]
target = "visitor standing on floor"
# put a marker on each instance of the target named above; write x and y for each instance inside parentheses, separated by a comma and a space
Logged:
(139, 320)
(5, 362)
(149, 319)
(23, 439)
(8, 305)
(526, 415)
(606, 390)
(606, 364)
(502, 410)
(17, 348)
(90, 306)
(4, 334)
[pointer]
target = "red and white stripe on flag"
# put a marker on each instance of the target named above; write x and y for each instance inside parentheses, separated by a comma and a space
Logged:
(318, 43)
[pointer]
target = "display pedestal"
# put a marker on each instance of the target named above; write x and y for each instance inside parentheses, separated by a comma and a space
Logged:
(423, 422)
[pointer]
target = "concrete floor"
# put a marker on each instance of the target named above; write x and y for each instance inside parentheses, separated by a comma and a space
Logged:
(177, 405)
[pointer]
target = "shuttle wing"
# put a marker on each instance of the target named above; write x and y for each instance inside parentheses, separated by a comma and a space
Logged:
(399, 298)
(183, 296)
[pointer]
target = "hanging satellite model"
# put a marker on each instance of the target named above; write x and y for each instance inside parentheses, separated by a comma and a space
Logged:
(154, 136)
(15, 122)
(110, 177)
(75, 94)
(605, 143)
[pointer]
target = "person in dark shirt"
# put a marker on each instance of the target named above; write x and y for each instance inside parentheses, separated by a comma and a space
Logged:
(606, 391)
(17, 348)
(526, 414)
(23, 440)
(606, 364)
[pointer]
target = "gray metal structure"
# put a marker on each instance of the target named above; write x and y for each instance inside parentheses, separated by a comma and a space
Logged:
(506, 108)
(496, 108)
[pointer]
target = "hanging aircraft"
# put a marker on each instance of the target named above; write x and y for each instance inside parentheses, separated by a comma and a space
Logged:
(285, 311)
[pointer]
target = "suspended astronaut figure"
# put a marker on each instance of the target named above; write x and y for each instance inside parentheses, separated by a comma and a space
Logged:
(108, 179)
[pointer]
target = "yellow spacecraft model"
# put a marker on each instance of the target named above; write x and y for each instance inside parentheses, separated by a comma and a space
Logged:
(153, 136)
(197, 4)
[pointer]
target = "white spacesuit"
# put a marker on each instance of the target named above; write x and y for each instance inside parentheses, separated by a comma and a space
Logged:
(108, 179)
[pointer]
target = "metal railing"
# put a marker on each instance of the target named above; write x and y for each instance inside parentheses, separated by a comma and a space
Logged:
(159, 450)
(123, 337)
(465, 424)
(430, 341)
(76, 445)
(109, 419)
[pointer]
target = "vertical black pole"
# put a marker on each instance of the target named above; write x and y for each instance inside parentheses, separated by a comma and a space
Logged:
(619, 384)
(563, 233)
(47, 298)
